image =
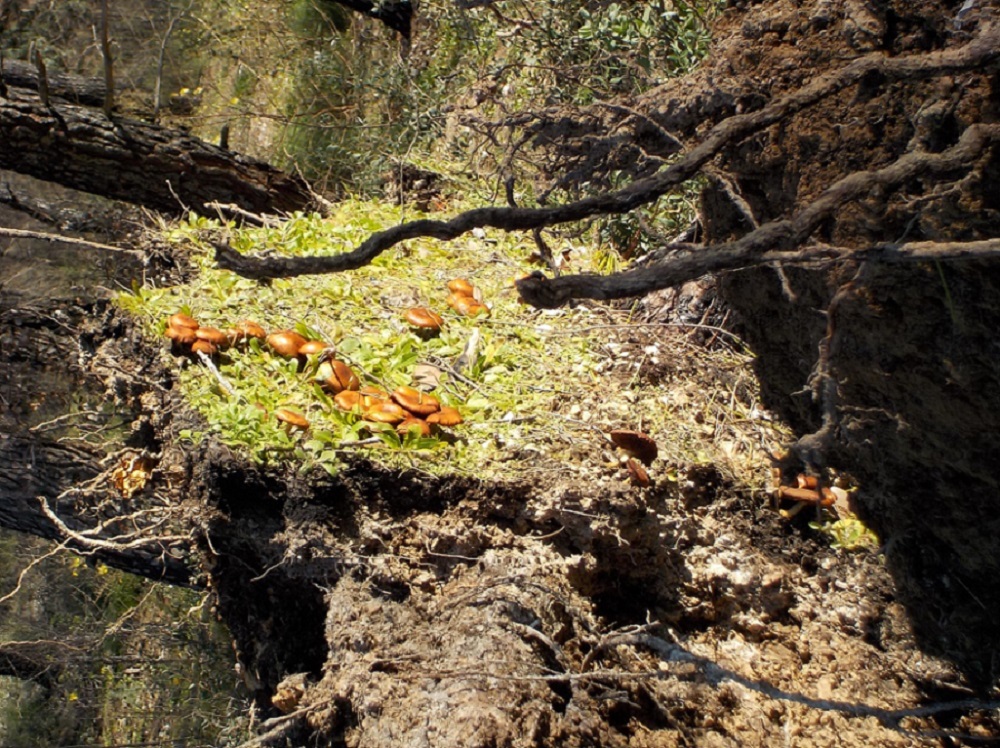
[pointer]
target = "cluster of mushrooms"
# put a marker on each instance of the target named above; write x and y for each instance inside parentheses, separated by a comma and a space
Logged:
(806, 491)
(463, 297)
(405, 408)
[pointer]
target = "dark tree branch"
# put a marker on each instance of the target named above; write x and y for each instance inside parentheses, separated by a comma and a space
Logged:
(777, 240)
(74, 88)
(983, 51)
(396, 14)
(109, 76)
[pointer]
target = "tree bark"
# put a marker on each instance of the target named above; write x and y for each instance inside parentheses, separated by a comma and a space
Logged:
(396, 14)
(72, 88)
(42, 464)
(36, 467)
(160, 168)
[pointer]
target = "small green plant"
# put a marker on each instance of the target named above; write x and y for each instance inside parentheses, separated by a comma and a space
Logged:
(847, 533)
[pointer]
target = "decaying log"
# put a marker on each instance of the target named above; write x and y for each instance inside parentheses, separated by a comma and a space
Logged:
(73, 88)
(160, 168)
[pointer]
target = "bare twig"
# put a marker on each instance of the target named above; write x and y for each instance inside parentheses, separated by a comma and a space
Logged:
(109, 76)
(22, 234)
(223, 382)
(98, 544)
(43, 79)
(773, 240)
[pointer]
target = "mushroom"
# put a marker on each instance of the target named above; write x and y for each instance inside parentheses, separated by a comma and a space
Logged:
(404, 426)
(312, 347)
(244, 331)
(371, 395)
(181, 335)
(347, 399)
(825, 497)
(424, 320)
(639, 445)
(385, 412)
(460, 302)
(285, 343)
(806, 481)
(291, 420)
(335, 376)
(461, 286)
(417, 402)
(447, 416)
(474, 310)
(204, 346)
(637, 473)
(182, 320)
(212, 335)
(466, 305)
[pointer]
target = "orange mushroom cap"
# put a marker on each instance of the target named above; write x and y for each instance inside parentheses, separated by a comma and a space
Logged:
(214, 336)
(293, 419)
(181, 335)
(447, 416)
(423, 318)
(404, 426)
(348, 399)
(311, 347)
(476, 309)
(460, 302)
(417, 402)
(243, 331)
(204, 346)
(285, 343)
(461, 286)
(639, 445)
(385, 412)
(182, 320)
(335, 376)
(637, 473)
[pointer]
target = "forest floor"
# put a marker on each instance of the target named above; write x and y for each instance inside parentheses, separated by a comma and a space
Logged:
(529, 593)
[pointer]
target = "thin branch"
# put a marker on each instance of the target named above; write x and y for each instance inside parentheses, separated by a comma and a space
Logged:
(983, 52)
(43, 79)
(22, 234)
(24, 571)
(109, 76)
(95, 543)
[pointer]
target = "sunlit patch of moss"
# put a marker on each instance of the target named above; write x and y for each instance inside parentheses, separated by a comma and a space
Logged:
(847, 533)
(538, 390)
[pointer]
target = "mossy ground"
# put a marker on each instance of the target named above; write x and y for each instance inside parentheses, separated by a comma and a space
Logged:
(538, 395)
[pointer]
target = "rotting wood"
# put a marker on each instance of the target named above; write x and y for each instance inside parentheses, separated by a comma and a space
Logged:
(73, 88)
(160, 168)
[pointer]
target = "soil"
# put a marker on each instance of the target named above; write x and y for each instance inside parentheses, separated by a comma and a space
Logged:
(401, 609)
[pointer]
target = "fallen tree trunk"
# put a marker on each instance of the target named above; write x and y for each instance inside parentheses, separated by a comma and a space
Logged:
(74, 88)
(160, 168)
